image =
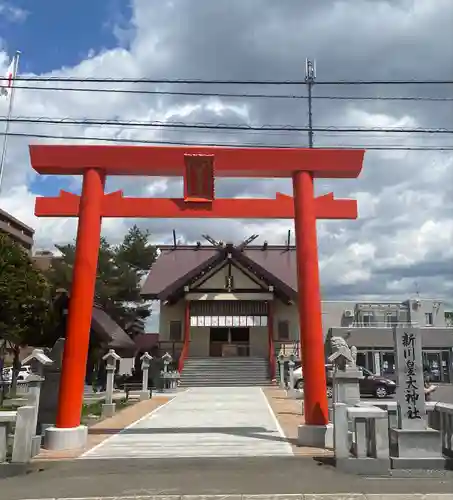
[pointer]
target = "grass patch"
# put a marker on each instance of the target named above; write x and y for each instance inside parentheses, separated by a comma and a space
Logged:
(91, 411)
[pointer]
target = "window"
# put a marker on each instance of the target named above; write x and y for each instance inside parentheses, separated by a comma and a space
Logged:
(391, 318)
(367, 319)
(283, 330)
(387, 364)
(175, 330)
(428, 319)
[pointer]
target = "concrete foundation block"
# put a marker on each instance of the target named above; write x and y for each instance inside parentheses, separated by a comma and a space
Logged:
(315, 436)
(144, 395)
(433, 463)
(108, 410)
(423, 443)
(58, 439)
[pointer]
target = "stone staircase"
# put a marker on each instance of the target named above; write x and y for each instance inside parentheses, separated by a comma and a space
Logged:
(225, 372)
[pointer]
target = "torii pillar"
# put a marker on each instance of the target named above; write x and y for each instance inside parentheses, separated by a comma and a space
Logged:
(316, 432)
(95, 162)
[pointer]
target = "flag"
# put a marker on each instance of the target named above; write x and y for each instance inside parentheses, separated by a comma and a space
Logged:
(7, 83)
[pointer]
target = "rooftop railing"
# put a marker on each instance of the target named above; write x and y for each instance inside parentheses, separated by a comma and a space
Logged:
(382, 324)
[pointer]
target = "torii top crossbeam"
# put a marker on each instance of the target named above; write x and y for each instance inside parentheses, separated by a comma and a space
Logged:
(168, 161)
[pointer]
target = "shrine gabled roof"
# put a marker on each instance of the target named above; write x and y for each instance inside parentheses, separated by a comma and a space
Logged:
(110, 332)
(176, 267)
(279, 263)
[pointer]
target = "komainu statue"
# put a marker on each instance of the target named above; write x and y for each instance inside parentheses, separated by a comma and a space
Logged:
(340, 346)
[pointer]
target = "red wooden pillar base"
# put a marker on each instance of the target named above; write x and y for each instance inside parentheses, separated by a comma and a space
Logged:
(309, 301)
(81, 302)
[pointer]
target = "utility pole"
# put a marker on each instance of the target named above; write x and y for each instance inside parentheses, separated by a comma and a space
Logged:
(310, 77)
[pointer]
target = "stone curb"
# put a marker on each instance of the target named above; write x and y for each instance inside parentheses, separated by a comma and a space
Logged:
(306, 496)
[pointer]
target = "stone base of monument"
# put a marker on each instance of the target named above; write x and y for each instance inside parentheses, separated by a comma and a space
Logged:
(108, 410)
(315, 436)
(58, 439)
(417, 449)
(143, 395)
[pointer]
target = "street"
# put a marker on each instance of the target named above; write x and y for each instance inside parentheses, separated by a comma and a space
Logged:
(201, 476)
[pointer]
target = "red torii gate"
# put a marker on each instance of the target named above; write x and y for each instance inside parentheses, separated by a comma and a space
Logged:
(198, 166)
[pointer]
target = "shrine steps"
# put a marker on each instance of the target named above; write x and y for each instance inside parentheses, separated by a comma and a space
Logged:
(225, 372)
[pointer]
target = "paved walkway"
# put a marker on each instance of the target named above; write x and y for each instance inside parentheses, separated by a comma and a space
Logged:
(202, 422)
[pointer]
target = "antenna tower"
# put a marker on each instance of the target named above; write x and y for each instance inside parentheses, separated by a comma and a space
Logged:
(310, 77)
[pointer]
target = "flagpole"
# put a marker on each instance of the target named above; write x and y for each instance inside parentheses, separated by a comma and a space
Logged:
(8, 118)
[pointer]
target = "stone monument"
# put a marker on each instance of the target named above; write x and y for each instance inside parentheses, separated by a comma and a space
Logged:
(48, 398)
(416, 445)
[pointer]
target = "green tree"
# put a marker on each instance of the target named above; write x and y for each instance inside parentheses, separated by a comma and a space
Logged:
(120, 271)
(25, 311)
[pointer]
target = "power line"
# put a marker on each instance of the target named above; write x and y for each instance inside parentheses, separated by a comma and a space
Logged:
(212, 126)
(201, 144)
(228, 82)
(237, 95)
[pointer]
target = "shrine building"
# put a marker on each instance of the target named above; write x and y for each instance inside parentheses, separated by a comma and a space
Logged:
(232, 300)
(226, 301)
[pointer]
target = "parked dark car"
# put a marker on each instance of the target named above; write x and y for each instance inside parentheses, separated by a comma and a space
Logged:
(370, 385)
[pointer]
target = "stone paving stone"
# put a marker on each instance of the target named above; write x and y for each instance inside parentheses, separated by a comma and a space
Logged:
(202, 422)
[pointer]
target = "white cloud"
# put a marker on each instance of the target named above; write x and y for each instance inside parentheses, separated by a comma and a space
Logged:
(12, 13)
(405, 207)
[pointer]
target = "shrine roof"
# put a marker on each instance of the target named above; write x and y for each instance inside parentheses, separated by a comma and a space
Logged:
(110, 332)
(175, 267)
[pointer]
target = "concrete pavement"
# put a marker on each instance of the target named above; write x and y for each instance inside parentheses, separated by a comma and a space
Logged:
(202, 422)
(208, 476)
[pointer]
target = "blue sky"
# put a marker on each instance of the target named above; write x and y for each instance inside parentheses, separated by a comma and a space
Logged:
(52, 34)
(58, 33)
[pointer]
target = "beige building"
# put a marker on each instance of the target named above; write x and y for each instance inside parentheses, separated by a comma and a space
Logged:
(16, 229)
